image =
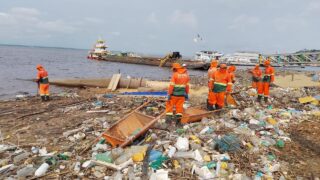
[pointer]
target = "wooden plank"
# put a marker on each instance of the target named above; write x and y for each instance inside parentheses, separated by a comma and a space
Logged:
(114, 82)
(111, 82)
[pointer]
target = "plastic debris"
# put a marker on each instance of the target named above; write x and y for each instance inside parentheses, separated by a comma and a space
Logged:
(182, 144)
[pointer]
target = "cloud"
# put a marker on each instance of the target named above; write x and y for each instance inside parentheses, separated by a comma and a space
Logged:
(184, 18)
(314, 6)
(6, 19)
(29, 20)
(243, 21)
(152, 36)
(93, 20)
(22, 11)
(115, 33)
(289, 23)
(152, 18)
(56, 26)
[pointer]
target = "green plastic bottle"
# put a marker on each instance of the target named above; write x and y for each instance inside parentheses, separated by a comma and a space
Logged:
(157, 164)
(211, 165)
(105, 157)
(280, 143)
(63, 157)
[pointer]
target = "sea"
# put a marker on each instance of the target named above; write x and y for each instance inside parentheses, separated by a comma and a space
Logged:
(18, 68)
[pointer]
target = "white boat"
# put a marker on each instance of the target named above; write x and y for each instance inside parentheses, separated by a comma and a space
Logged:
(99, 50)
(206, 56)
(241, 58)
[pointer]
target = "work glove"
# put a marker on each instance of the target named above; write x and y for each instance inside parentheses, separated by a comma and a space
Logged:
(186, 96)
(169, 97)
(229, 89)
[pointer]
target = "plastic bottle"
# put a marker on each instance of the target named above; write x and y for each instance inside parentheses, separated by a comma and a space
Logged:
(129, 153)
(180, 130)
(42, 170)
(26, 171)
(106, 157)
(203, 172)
(63, 157)
(211, 165)
(207, 129)
(87, 164)
(218, 168)
(182, 144)
(258, 176)
(187, 154)
(77, 167)
(195, 139)
(123, 158)
(154, 155)
(172, 151)
(157, 164)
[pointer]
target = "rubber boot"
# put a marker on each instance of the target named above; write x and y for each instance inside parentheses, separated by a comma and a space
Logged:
(178, 120)
(46, 98)
(169, 119)
(43, 98)
(266, 99)
(217, 107)
(259, 99)
(208, 104)
(210, 107)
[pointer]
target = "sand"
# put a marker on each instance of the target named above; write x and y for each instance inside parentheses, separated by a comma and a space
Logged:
(295, 81)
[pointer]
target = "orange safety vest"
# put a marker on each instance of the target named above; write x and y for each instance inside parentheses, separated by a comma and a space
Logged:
(179, 84)
(268, 74)
(220, 82)
(256, 74)
(42, 76)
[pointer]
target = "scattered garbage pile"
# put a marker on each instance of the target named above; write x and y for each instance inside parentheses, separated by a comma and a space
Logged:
(249, 141)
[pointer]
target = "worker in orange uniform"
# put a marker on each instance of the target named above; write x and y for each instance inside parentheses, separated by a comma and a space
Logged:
(268, 78)
(256, 76)
(231, 70)
(177, 93)
(213, 68)
(220, 84)
(43, 83)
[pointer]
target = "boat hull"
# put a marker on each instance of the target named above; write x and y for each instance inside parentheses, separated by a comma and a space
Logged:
(151, 61)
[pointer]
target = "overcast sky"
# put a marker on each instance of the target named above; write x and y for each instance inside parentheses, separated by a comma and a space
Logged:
(157, 27)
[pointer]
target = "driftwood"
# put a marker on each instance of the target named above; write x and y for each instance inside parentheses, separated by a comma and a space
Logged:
(51, 109)
(73, 131)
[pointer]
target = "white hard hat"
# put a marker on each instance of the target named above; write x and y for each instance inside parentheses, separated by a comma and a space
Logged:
(184, 65)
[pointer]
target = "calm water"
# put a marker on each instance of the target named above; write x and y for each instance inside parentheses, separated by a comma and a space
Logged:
(18, 63)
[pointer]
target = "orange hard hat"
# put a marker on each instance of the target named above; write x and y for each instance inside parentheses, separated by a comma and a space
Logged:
(214, 63)
(176, 66)
(267, 63)
(222, 66)
(39, 66)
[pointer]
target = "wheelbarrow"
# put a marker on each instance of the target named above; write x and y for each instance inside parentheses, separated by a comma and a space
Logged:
(130, 127)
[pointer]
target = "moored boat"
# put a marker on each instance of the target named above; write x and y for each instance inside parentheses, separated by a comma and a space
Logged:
(100, 52)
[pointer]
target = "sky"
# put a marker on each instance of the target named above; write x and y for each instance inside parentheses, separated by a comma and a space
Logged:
(158, 27)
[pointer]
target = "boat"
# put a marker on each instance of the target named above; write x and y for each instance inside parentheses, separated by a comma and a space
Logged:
(245, 59)
(241, 58)
(100, 52)
(207, 56)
